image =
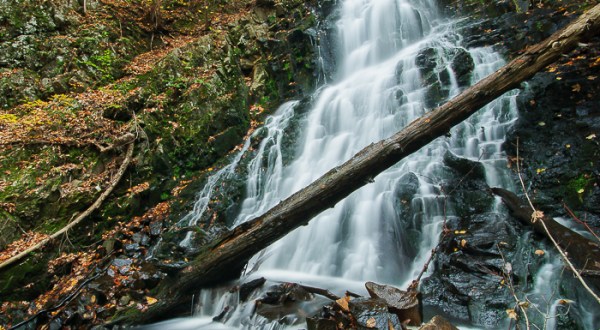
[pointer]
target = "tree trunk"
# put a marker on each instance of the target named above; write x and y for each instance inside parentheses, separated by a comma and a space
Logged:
(584, 253)
(226, 256)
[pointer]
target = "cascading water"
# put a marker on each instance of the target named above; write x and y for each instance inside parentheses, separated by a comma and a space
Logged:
(397, 59)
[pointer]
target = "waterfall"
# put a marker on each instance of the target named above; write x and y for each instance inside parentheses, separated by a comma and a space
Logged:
(397, 60)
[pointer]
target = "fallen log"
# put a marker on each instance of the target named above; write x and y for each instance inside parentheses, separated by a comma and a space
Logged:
(584, 253)
(225, 258)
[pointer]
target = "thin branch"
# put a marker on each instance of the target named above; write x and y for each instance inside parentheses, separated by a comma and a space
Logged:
(537, 216)
(580, 221)
(508, 279)
(92, 208)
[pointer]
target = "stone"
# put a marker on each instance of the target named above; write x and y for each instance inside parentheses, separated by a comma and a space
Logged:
(247, 288)
(463, 65)
(372, 313)
(405, 304)
(438, 323)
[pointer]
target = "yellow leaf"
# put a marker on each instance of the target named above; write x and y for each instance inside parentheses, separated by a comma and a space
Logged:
(565, 301)
(576, 88)
(592, 77)
(463, 243)
(591, 136)
(539, 252)
(151, 301)
(511, 314)
(581, 191)
(558, 78)
(371, 323)
(567, 146)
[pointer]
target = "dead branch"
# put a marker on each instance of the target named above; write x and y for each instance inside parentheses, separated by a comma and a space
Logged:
(119, 142)
(79, 218)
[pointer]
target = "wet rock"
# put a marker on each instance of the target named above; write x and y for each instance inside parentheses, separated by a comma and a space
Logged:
(285, 292)
(372, 313)
(405, 304)
(283, 301)
(463, 65)
(247, 288)
(427, 59)
(155, 227)
(471, 170)
(438, 323)
(321, 324)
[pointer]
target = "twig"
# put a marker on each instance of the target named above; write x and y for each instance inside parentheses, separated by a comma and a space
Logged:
(509, 282)
(92, 208)
(580, 221)
(536, 216)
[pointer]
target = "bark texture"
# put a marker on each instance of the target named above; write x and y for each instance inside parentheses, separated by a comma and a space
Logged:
(226, 256)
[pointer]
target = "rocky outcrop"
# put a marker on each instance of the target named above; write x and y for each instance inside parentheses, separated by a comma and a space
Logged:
(193, 96)
(556, 137)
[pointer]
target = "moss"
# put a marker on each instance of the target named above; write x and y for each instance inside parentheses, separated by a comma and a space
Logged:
(23, 281)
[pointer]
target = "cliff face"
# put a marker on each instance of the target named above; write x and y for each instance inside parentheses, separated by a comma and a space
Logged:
(554, 139)
(187, 79)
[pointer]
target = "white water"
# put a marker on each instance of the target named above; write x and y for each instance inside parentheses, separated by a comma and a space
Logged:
(361, 239)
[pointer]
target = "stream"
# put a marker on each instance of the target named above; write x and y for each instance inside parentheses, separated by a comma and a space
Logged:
(395, 61)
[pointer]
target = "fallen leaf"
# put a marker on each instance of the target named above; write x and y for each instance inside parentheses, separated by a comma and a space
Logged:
(511, 314)
(591, 136)
(541, 123)
(343, 303)
(591, 77)
(151, 301)
(576, 88)
(463, 243)
(539, 252)
(371, 323)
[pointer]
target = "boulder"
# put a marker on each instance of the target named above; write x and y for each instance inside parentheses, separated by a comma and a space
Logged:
(404, 304)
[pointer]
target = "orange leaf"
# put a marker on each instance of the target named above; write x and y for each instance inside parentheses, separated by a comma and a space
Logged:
(151, 301)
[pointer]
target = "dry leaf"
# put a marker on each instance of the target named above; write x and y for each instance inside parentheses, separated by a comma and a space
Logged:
(591, 136)
(151, 301)
(511, 314)
(539, 252)
(343, 303)
(576, 88)
(371, 323)
(463, 243)
(536, 215)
